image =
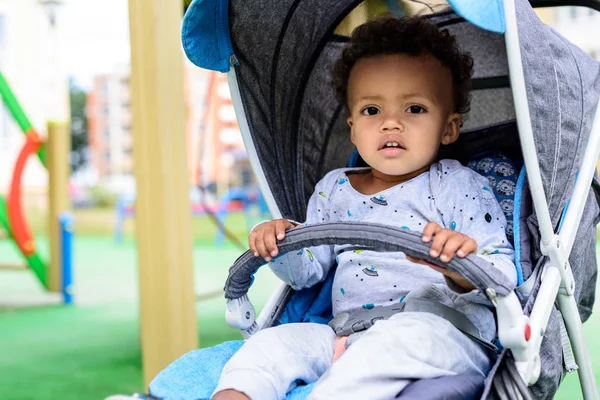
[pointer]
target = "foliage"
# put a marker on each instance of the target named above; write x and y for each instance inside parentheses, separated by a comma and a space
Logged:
(79, 130)
(103, 198)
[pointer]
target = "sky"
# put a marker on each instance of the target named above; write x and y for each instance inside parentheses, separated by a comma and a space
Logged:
(95, 35)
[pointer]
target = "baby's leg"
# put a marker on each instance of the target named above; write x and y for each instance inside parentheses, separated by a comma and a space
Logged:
(270, 362)
(397, 351)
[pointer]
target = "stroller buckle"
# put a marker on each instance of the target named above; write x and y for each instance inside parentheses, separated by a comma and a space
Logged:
(491, 294)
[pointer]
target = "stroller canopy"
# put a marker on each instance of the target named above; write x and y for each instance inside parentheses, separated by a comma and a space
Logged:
(285, 51)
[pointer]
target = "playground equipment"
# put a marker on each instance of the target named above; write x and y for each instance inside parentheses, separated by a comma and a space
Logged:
(55, 276)
(246, 200)
(163, 226)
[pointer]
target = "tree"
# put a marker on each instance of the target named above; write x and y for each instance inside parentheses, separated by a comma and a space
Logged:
(79, 131)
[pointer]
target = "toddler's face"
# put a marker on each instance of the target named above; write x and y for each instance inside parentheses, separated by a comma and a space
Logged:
(400, 111)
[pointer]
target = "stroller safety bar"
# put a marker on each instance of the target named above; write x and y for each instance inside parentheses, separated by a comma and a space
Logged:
(514, 328)
(369, 236)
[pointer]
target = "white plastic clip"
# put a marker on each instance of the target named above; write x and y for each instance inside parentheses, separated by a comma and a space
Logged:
(240, 313)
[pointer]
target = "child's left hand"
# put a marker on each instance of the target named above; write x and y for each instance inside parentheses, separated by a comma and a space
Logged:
(445, 243)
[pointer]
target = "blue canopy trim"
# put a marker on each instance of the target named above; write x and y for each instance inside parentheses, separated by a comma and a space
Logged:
(207, 41)
(517, 223)
(486, 14)
(205, 34)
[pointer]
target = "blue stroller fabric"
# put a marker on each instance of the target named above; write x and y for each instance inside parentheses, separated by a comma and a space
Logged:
(207, 44)
(486, 14)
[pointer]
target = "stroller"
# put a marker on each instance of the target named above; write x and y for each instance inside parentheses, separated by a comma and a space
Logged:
(534, 100)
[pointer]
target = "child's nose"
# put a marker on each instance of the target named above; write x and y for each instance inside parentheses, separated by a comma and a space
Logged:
(391, 122)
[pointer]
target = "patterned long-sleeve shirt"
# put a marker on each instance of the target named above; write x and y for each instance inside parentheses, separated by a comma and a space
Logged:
(449, 194)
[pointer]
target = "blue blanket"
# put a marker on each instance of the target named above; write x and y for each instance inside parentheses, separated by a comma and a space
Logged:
(195, 375)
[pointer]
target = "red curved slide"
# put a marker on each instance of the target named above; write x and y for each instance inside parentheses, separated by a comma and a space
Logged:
(19, 226)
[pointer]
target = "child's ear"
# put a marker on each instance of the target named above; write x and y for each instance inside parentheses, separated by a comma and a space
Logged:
(452, 128)
(350, 123)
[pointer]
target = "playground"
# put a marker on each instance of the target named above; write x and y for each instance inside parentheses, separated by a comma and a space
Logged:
(70, 282)
(96, 301)
(57, 273)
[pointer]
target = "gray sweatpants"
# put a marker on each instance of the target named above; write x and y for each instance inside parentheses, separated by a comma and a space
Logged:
(378, 365)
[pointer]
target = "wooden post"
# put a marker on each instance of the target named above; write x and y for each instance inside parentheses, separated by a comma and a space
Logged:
(163, 212)
(57, 161)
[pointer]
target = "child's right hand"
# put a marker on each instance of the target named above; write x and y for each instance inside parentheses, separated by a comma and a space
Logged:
(263, 238)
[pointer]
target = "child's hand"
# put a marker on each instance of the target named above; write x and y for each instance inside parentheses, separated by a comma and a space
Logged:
(263, 238)
(445, 243)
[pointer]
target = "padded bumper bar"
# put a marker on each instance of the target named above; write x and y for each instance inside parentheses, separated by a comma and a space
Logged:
(368, 236)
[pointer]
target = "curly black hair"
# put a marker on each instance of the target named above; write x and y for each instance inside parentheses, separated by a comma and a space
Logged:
(407, 35)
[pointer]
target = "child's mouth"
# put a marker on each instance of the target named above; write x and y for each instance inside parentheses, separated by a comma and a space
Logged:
(392, 148)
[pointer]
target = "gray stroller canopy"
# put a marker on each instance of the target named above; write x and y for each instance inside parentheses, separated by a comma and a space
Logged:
(285, 50)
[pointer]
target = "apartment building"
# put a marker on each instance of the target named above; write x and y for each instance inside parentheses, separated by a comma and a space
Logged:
(215, 149)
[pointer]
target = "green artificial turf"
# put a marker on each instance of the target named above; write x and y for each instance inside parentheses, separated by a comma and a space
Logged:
(91, 350)
(70, 352)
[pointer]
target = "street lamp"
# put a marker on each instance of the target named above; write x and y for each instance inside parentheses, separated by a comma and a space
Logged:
(51, 7)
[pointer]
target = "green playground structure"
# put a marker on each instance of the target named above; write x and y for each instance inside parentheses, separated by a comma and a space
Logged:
(52, 277)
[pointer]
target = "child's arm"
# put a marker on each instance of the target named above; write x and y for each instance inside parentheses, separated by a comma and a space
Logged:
(304, 268)
(468, 207)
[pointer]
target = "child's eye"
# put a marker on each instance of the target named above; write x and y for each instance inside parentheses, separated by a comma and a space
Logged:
(416, 110)
(371, 110)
